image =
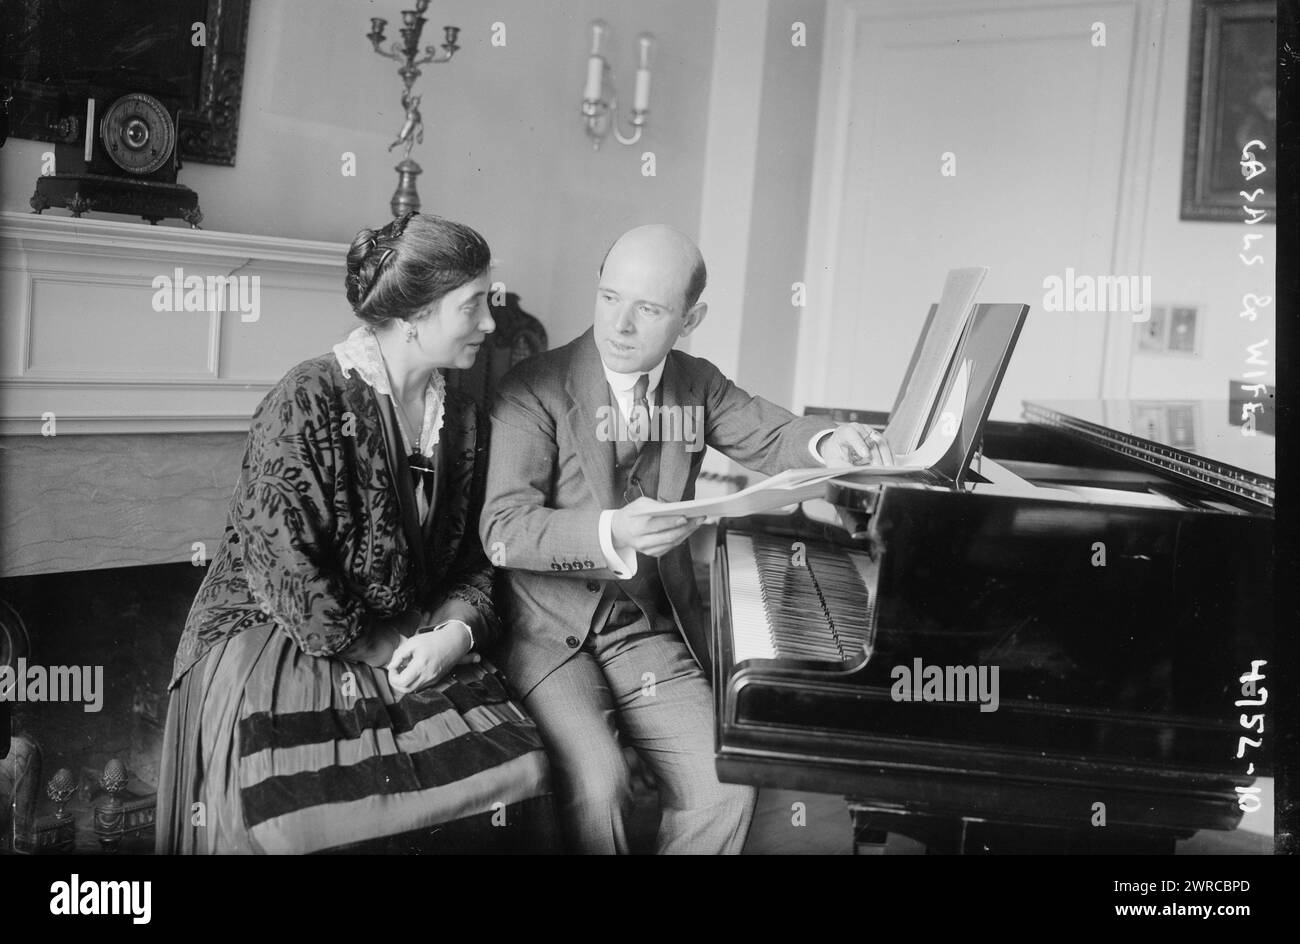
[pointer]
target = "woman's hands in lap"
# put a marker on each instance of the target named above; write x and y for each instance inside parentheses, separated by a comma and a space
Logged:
(375, 648)
(376, 645)
(428, 657)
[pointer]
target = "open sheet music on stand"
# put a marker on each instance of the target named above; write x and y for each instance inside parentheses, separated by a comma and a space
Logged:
(796, 485)
(940, 337)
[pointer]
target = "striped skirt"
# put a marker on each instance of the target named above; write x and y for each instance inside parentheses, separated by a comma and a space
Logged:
(268, 750)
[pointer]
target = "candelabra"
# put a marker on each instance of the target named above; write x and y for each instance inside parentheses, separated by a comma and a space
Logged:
(601, 113)
(405, 197)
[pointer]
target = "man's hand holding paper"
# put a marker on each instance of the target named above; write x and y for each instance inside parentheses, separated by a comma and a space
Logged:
(651, 535)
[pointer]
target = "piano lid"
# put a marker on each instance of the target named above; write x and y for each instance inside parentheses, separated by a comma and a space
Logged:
(1196, 439)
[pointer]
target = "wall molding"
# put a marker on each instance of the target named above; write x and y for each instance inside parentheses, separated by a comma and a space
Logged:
(830, 150)
(56, 278)
(1135, 186)
(730, 158)
(93, 237)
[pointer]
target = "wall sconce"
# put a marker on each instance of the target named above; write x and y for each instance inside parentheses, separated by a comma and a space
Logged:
(601, 113)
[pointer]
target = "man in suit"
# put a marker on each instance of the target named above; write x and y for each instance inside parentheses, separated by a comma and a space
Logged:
(605, 631)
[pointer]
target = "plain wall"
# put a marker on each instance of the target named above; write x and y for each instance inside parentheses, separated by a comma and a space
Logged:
(782, 184)
(504, 148)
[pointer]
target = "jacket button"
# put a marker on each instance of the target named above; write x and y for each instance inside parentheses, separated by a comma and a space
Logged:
(593, 586)
(572, 642)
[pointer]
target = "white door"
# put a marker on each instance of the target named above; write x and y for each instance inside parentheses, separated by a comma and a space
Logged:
(1031, 114)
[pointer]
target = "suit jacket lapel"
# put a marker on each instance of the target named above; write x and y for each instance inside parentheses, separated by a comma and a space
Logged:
(676, 394)
(589, 392)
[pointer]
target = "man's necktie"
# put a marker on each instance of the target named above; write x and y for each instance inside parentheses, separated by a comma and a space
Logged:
(640, 418)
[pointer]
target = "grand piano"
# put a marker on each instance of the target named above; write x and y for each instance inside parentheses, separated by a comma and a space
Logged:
(1111, 560)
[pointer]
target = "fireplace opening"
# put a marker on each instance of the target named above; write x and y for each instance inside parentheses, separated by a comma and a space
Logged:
(88, 707)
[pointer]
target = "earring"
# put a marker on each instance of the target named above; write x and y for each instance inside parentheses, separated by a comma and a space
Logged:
(410, 332)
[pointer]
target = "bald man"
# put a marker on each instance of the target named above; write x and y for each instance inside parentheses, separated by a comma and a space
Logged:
(606, 636)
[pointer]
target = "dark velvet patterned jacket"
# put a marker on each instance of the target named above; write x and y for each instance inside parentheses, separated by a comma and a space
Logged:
(320, 541)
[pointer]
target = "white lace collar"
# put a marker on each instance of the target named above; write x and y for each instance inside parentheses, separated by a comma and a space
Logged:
(360, 352)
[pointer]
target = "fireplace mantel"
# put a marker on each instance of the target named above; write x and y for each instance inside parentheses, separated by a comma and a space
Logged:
(80, 340)
(80, 337)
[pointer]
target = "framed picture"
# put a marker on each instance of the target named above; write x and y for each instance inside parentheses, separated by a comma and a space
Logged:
(1231, 101)
(190, 53)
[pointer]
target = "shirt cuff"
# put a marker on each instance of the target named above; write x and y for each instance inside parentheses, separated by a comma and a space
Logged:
(815, 443)
(463, 625)
(624, 564)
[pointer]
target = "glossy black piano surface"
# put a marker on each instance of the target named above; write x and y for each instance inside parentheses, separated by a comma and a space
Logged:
(1117, 681)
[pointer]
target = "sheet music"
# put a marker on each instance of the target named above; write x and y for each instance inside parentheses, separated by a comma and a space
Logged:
(907, 424)
(945, 430)
(796, 485)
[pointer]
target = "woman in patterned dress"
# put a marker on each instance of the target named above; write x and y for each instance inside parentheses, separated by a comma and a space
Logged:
(327, 692)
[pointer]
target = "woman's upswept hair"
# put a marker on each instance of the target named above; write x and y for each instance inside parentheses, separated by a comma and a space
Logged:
(402, 268)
